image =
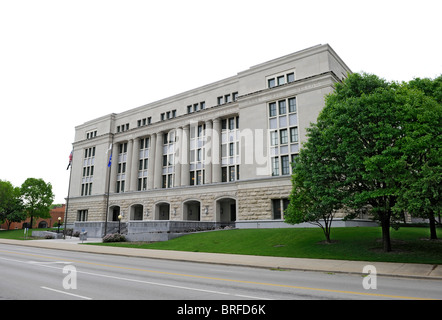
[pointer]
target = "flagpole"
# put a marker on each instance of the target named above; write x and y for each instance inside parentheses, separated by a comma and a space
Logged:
(67, 200)
(108, 184)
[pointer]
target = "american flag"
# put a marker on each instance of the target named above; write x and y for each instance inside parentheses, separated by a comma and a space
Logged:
(70, 159)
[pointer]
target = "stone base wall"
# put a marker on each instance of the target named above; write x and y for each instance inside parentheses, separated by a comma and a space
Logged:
(252, 200)
(147, 230)
(255, 203)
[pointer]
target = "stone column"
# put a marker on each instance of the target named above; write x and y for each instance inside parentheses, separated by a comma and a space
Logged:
(158, 170)
(130, 144)
(216, 151)
(151, 165)
(134, 165)
(185, 159)
(208, 153)
(114, 168)
(177, 156)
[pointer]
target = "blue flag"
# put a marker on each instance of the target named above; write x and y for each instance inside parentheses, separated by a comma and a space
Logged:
(110, 161)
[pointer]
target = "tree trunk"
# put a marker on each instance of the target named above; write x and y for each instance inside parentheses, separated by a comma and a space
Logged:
(327, 236)
(385, 222)
(433, 233)
(327, 230)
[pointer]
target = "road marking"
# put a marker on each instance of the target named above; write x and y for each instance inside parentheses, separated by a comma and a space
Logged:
(49, 262)
(229, 280)
(67, 293)
(170, 285)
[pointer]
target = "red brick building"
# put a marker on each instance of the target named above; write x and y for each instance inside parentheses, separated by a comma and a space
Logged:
(40, 223)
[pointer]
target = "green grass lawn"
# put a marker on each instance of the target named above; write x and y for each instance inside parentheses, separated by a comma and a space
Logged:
(20, 235)
(409, 244)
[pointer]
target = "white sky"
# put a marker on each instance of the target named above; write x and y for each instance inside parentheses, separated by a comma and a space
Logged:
(63, 63)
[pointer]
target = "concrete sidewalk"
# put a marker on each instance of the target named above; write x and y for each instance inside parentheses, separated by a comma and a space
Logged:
(414, 270)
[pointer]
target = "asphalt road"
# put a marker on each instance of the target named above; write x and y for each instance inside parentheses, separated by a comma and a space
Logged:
(29, 273)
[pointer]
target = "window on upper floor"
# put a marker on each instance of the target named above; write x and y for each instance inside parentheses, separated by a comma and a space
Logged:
(280, 79)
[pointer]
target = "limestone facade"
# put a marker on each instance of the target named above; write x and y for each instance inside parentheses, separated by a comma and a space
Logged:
(221, 152)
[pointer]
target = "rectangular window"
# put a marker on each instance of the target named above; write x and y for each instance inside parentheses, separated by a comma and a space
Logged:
(291, 77)
(82, 215)
(282, 107)
(198, 178)
(281, 80)
(276, 208)
(285, 169)
(271, 82)
(272, 109)
(169, 181)
(231, 123)
(275, 166)
(292, 105)
(231, 173)
(293, 134)
(283, 136)
(224, 174)
(144, 183)
(274, 138)
(192, 178)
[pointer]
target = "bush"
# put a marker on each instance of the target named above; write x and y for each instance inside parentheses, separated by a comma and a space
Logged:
(114, 237)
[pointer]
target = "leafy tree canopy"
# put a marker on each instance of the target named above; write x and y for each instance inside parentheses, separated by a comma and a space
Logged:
(37, 198)
(359, 153)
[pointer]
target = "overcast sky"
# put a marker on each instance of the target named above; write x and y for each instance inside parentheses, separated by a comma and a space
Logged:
(63, 63)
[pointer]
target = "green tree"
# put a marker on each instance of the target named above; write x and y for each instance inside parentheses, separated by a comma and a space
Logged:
(316, 193)
(422, 186)
(37, 198)
(11, 208)
(359, 144)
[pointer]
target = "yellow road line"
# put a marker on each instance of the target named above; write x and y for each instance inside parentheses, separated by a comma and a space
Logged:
(223, 279)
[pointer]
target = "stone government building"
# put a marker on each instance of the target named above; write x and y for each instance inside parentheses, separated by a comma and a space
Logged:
(219, 154)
